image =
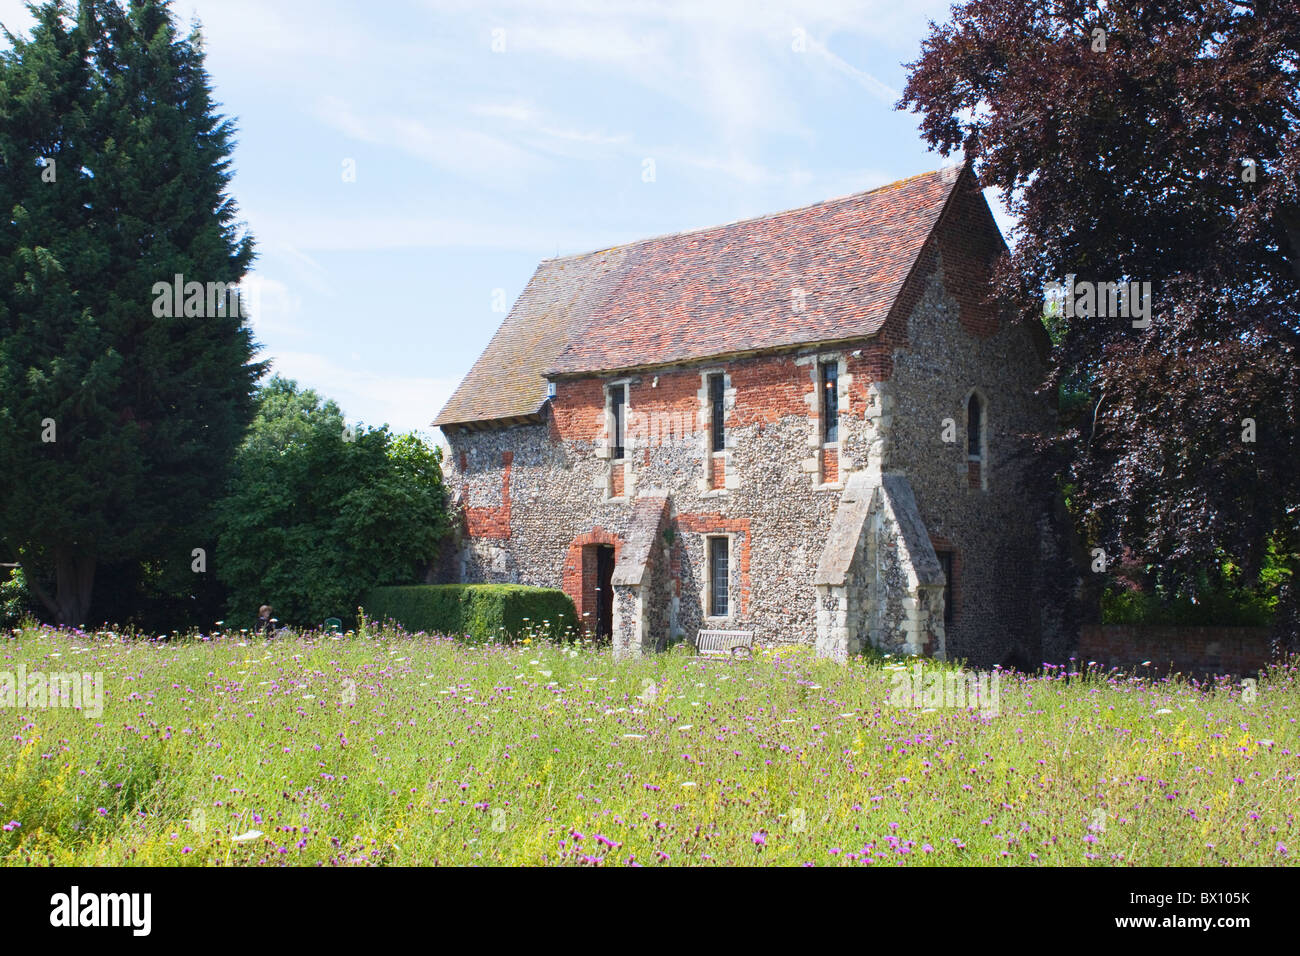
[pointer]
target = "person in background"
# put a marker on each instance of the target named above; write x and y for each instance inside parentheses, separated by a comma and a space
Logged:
(264, 626)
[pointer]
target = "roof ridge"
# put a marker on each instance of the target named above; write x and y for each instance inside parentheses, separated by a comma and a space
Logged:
(952, 170)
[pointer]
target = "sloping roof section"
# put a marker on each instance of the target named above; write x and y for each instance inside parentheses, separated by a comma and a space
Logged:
(507, 380)
(644, 535)
(827, 272)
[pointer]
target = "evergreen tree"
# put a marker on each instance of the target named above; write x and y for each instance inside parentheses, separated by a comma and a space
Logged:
(117, 424)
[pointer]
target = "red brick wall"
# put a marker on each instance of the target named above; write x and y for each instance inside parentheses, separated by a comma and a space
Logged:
(578, 410)
(768, 388)
(969, 245)
(493, 522)
(830, 465)
(1225, 650)
(617, 478)
(717, 472)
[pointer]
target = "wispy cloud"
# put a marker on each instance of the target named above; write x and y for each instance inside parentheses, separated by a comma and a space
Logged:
(881, 91)
(370, 395)
(377, 232)
(468, 153)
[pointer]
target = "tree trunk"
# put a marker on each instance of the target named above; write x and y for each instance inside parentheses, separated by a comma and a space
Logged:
(74, 580)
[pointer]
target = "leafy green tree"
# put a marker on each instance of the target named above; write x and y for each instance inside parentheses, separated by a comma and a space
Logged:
(117, 424)
(319, 513)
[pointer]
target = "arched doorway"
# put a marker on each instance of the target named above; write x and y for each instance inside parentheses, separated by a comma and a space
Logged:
(588, 579)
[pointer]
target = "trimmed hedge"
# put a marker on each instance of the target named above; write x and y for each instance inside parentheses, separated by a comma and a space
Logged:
(480, 612)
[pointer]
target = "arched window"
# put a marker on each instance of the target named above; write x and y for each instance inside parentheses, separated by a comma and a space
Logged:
(976, 441)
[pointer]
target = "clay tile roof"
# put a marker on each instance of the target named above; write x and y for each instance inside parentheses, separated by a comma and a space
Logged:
(692, 295)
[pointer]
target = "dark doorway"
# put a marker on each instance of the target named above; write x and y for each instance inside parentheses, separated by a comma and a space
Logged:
(604, 592)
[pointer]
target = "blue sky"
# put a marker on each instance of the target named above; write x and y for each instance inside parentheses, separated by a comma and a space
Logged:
(488, 136)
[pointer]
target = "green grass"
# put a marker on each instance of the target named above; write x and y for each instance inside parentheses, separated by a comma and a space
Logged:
(394, 749)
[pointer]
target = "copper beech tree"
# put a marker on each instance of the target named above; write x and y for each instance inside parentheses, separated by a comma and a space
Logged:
(1148, 142)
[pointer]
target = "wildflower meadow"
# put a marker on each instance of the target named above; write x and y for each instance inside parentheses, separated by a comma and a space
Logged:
(381, 747)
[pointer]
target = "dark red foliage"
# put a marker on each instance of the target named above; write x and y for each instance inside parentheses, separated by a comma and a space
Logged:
(1130, 163)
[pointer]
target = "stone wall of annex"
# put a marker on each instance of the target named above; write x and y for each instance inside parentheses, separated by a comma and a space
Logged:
(1003, 558)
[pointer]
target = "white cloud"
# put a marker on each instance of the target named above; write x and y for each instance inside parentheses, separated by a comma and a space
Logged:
(273, 309)
(469, 153)
(344, 233)
(369, 395)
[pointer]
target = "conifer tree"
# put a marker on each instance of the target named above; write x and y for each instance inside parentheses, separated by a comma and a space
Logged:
(117, 424)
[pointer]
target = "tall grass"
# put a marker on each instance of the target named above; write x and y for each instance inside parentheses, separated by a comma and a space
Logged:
(411, 749)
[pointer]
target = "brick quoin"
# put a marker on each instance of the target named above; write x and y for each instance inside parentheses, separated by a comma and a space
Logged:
(492, 522)
(714, 523)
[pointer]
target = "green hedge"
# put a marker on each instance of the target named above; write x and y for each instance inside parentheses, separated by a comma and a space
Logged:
(479, 612)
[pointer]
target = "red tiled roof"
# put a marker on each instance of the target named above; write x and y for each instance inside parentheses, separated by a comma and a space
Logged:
(723, 290)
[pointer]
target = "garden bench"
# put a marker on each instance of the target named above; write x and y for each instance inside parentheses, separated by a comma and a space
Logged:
(739, 644)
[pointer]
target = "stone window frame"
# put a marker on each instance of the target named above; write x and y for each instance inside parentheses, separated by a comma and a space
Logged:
(731, 616)
(985, 418)
(730, 479)
(606, 445)
(822, 391)
(843, 381)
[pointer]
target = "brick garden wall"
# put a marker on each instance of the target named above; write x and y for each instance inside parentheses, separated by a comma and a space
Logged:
(1188, 650)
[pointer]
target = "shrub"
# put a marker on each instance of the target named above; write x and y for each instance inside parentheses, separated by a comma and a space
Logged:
(481, 612)
(311, 523)
(16, 603)
(1223, 609)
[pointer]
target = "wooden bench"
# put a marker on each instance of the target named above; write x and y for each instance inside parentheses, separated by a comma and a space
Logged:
(738, 644)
